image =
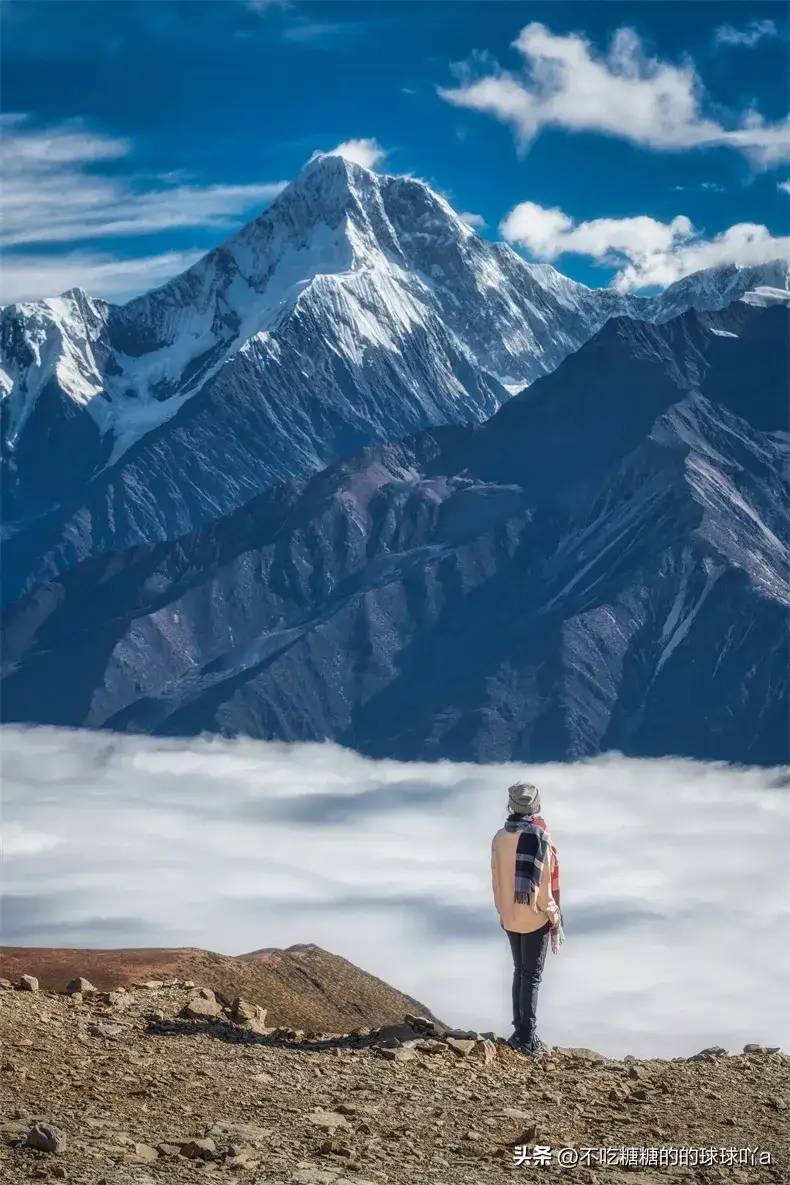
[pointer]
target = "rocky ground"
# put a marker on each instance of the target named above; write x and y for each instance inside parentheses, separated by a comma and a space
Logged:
(167, 1083)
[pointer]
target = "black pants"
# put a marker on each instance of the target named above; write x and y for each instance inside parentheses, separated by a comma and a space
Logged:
(529, 955)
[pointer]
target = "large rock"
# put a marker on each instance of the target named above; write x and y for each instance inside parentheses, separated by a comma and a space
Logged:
(581, 1053)
(200, 1008)
(28, 983)
(421, 1024)
(461, 1045)
(242, 1011)
(79, 984)
(200, 1149)
(431, 1045)
(45, 1137)
(710, 1053)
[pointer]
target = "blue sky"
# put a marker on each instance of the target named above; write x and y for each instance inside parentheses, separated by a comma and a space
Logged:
(625, 143)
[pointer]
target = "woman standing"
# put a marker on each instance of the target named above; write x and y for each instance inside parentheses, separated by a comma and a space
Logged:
(525, 874)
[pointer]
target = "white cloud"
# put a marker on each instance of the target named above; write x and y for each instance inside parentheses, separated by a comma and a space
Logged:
(51, 193)
(476, 221)
(625, 93)
(55, 192)
(749, 36)
(646, 251)
(33, 276)
(235, 845)
(700, 187)
(366, 152)
(68, 143)
(784, 186)
(261, 6)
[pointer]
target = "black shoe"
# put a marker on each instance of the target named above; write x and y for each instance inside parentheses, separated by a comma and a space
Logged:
(531, 1048)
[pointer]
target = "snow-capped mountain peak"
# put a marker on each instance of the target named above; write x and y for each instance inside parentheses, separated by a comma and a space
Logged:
(380, 255)
(715, 287)
(358, 307)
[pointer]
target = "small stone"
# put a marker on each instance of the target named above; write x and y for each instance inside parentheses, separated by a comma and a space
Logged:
(327, 1120)
(6, 985)
(463, 1046)
(335, 1146)
(166, 1150)
(315, 1176)
(582, 1053)
(527, 1136)
(79, 985)
(46, 1138)
(777, 1103)
(145, 1153)
(28, 983)
(515, 1113)
(488, 1049)
(283, 1033)
(431, 1046)
(204, 1149)
(105, 1029)
(418, 1022)
(59, 1172)
(401, 1053)
(709, 1054)
(395, 1034)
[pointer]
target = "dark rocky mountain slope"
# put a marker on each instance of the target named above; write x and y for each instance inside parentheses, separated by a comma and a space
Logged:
(602, 565)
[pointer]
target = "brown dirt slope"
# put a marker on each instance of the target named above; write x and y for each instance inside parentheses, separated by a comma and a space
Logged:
(126, 1088)
(304, 986)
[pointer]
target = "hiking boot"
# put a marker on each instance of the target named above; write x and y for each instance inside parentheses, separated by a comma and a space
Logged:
(531, 1048)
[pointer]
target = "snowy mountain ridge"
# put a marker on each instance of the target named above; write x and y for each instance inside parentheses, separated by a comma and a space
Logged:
(383, 253)
(369, 249)
(357, 309)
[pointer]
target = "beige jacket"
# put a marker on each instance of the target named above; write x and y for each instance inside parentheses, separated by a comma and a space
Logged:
(521, 919)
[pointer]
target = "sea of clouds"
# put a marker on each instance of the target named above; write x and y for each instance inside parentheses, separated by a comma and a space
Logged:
(675, 882)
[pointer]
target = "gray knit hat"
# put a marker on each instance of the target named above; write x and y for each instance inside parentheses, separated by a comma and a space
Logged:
(523, 799)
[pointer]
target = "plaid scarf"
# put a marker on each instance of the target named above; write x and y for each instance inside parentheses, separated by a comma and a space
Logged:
(532, 851)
